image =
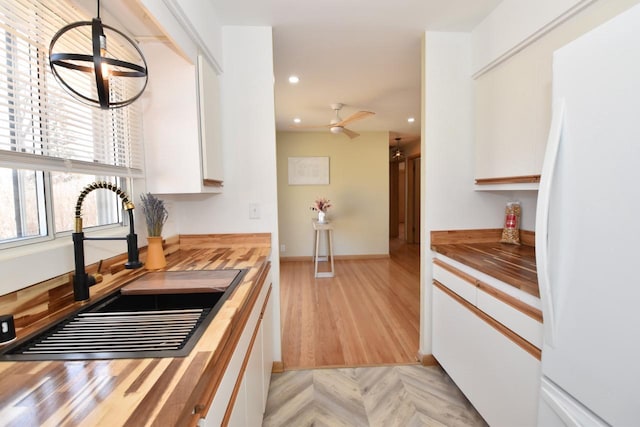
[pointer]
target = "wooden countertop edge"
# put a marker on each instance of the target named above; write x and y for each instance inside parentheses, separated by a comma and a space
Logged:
(189, 409)
(206, 388)
(527, 286)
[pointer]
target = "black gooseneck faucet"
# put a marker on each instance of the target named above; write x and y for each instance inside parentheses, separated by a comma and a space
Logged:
(82, 281)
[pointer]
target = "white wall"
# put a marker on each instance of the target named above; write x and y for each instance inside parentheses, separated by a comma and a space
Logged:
(513, 23)
(449, 201)
(249, 145)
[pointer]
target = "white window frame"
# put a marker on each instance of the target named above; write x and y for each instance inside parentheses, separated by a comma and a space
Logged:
(105, 127)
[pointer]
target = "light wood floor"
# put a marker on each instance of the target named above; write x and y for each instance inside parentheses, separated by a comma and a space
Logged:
(382, 396)
(368, 314)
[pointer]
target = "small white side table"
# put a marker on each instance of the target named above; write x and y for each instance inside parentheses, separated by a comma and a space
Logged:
(328, 228)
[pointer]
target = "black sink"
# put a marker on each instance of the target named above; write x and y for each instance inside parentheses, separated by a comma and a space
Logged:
(127, 326)
(134, 303)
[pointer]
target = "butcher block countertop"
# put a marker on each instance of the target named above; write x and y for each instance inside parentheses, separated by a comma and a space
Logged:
(132, 392)
(512, 264)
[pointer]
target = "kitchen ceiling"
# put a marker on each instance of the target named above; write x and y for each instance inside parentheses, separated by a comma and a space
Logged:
(365, 54)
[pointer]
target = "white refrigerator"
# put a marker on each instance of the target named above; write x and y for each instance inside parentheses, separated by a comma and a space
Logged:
(588, 232)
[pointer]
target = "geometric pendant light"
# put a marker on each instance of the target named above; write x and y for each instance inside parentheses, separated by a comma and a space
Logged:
(397, 155)
(100, 77)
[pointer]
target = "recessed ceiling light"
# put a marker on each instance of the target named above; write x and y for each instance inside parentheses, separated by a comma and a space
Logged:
(297, 120)
(294, 79)
(411, 119)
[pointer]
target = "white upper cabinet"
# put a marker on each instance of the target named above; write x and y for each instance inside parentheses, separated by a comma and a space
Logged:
(183, 146)
(513, 59)
(513, 103)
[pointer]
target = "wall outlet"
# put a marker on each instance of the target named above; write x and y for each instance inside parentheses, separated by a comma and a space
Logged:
(254, 211)
(283, 248)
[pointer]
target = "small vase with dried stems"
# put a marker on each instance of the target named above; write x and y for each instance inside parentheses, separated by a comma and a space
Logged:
(155, 215)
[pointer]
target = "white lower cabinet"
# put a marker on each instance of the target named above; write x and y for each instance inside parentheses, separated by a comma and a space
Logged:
(253, 380)
(267, 349)
(247, 372)
(238, 416)
(497, 369)
(248, 407)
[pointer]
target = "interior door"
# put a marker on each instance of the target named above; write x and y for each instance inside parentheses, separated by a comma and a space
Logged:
(394, 199)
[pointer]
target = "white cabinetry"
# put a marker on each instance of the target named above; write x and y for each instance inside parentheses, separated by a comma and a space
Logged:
(512, 122)
(267, 349)
(488, 346)
(251, 399)
(513, 93)
(183, 144)
(241, 395)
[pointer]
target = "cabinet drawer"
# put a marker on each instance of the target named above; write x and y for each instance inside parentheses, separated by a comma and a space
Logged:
(522, 324)
(458, 282)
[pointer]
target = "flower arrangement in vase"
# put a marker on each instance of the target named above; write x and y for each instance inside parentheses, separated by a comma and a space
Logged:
(321, 205)
(155, 214)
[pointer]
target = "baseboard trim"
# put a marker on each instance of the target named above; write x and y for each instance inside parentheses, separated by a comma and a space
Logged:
(363, 257)
(309, 258)
(427, 359)
(277, 367)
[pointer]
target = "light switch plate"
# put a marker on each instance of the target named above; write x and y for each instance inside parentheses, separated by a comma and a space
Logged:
(254, 211)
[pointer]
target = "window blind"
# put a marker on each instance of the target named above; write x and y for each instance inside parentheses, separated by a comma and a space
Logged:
(41, 126)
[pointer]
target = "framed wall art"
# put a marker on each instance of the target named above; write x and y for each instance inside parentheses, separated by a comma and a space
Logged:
(308, 170)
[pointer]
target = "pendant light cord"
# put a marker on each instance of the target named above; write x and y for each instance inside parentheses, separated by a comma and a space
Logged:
(98, 9)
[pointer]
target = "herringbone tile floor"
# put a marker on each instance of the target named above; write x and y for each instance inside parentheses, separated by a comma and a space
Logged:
(388, 396)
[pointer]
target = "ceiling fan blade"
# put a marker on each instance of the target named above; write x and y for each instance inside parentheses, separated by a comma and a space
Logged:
(309, 126)
(351, 134)
(355, 116)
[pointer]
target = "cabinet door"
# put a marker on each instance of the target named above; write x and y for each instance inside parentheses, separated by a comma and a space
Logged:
(210, 122)
(267, 348)
(238, 416)
(172, 152)
(233, 372)
(179, 112)
(253, 381)
(499, 378)
(513, 115)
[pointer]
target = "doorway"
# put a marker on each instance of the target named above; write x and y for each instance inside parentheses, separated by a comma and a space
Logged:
(397, 199)
(412, 223)
(404, 199)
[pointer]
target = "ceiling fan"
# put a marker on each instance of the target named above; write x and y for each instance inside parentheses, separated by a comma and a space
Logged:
(337, 125)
